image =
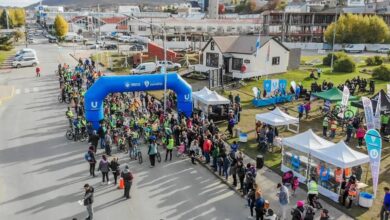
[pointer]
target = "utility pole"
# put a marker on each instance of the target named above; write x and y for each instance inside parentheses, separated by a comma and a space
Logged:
(7, 18)
(334, 39)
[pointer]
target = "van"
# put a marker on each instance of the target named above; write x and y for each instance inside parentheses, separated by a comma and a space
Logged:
(149, 67)
(354, 48)
(73, 36)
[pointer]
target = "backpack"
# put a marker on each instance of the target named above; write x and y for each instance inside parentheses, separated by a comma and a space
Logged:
(260, 203)
(87, 157)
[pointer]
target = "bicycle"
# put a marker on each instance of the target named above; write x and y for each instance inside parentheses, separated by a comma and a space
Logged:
(61, 100)
(71, 135)
(136, 154)
(158, 155)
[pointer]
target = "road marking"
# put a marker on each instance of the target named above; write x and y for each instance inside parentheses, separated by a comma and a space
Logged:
(35, 89)
(26, 90)
(17, 91)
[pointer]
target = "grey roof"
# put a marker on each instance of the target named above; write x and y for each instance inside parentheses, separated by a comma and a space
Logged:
(240, 44)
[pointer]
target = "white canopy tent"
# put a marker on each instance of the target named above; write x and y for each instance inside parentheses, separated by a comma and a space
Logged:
(306, 142)
(311, 150)
(205, 97)
(341, 155)
(278, 118)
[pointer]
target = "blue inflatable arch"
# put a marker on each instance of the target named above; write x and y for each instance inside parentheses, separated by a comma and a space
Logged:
(94, 97)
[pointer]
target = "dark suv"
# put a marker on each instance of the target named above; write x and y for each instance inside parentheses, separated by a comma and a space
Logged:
(52, 39)
(111, 47)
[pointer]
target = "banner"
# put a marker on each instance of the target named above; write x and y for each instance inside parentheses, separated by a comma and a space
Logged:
(267, 85)
(344, 100)
(374, 148)
(377, 116)
(274, 84)
(282, 85)
(368, 112)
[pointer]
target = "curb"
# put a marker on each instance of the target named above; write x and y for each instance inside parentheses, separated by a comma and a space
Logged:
(219, 177)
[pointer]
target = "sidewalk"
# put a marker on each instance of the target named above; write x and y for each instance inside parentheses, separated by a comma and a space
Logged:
(267, 180)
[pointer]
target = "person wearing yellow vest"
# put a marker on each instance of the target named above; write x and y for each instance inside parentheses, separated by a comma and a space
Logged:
(170, 145)
(312, 188)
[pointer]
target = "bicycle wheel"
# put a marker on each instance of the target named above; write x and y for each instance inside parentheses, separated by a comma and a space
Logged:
(60, 99)
(67, 100)
(69, 135)
(158, 157)
(139, 158)
(348, 114)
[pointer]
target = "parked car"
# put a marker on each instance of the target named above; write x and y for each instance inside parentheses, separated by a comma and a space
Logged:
(27, 54)
(111, 47)
(383, 50)
(94, 47)
(137, 47)
(52, 39)
(145, 68)
(30, 40)
(170, 65)
(354, 48)
(25, 61)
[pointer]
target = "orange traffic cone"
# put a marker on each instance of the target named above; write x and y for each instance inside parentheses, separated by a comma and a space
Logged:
(121, 183)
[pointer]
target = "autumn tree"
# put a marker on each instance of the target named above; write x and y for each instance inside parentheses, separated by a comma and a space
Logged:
(60, 26)
(357, 29)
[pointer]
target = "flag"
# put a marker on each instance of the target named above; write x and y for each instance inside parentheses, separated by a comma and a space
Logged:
(268, 51)
(377, 116)
(257, 45)
(374, 148)
(369, 113)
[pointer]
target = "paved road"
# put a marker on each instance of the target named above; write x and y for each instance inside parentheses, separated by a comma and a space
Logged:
(42, 174)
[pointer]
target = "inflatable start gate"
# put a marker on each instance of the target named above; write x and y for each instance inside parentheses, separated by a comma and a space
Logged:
(94, 97)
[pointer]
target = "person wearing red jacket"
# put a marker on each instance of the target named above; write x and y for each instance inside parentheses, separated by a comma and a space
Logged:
(207, 148)
(38, 71)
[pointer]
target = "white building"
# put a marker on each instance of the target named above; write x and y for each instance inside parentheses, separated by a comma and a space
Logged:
(297, 7)
(237, 55)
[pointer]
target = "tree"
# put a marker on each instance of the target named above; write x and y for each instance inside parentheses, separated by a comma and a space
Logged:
(353, 29)
(3, 20)
(252, 6)
(18, 35)
(61, 26)
(20, 17)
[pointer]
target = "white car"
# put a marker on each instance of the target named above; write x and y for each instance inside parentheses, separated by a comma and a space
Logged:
(24, 50)
(383, 50)
(145, 68)
(170, 65)
(25, 61)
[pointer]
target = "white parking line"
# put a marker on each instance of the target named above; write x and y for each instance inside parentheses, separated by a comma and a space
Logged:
(17, 91)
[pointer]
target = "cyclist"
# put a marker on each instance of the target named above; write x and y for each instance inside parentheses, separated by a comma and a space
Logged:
(77, 127)
(69, 114)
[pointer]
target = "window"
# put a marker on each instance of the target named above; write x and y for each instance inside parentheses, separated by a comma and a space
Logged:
(141, 28)
(212, 45)
(212, 59)
(236, 64)
(275, 60)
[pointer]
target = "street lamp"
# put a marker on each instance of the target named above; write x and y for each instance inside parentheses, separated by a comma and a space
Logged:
(334, 39)
(165, 56)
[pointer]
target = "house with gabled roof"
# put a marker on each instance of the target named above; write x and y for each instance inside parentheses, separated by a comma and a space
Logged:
(239, 57)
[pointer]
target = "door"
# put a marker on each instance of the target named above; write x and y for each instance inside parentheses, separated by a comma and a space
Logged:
(226, 62)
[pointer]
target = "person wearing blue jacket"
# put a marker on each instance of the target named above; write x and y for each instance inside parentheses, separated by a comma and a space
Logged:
(386, 205)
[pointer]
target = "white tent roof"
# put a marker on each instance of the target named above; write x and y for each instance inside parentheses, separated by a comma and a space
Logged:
(209, 97)
(341, 155)
(306, 142)
(276, 118)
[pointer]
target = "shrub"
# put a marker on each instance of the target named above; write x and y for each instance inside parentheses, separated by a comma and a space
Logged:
(326, 61)
(382, 72)
(344, 64)
(374, 61)
(378, 60)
